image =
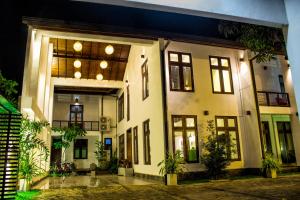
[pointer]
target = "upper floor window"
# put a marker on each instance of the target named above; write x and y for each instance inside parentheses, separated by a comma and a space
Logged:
(145, 80)
(221, 75)
(185, 138)
(227, 131)
(181, 72)
(121, 108)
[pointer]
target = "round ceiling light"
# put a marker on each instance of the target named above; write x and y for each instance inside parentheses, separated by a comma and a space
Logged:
(99, 77)
(77, 75)
(103, 64)
(77, 46)
(109, 49)
(77, 63)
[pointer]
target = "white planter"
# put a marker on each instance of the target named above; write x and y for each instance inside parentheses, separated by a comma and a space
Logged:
(93, 173)
(125, 171)
(24, 185)
(272, 173)
(171, 179)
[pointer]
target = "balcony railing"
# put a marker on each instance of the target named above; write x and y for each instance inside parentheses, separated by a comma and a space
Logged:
(273, 99)
(86, 125)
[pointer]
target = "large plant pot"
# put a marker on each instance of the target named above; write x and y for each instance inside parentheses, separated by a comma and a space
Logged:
(125, 171)
(171, 179)
(24, 184)
(272, 173)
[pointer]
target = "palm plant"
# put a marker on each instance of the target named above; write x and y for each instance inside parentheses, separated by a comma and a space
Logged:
(171, 165)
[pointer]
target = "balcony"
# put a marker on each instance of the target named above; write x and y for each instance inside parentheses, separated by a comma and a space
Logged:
(86, 125)
(276, 99)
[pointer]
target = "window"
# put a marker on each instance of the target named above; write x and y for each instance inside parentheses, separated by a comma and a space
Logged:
(121, 108)
(185, 138)
(227, 131)
(135, 145)
(128, 103)
(181, 72)
(76, 115)
(147, 156)
(121, 147)
(221, 75)
(145, 80)
(281, 83)
(81, 149)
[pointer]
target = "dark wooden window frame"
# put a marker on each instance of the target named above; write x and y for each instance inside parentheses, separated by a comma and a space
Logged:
(80, 152)
(128, 102)
(220, 68)
(147, 134)
(180, 64)
(226, 129)
(121, 108)
(184, 129)
(135, 145)
(145, 74)
(123, 146)
(281, 83)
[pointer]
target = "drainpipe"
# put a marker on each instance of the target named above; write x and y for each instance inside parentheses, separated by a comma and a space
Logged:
(256, 104)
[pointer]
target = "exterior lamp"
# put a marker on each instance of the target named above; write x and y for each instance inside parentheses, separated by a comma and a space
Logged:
(77, 46)
(77, 75)
(99, 77)
(109, 49)
(103, 64)
(77, 63)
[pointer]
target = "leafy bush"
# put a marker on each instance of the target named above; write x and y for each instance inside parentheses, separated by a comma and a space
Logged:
(270, 163)
(171, 165)
(113, 164)
(100, 153)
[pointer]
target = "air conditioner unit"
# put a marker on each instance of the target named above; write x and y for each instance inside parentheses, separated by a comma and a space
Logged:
(105, 124)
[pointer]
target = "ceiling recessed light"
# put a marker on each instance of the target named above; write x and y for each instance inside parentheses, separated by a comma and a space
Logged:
(99, 77)
(103, 64)
(77, 75)
(77, 63)
(77, 46)
(109, 49)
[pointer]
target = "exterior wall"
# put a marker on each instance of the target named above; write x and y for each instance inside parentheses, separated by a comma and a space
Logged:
(151, 108)
(194, 103)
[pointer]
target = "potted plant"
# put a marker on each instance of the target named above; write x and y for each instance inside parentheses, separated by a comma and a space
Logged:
(270, 166)
(170, 167)
(125, 168)
(101, 156)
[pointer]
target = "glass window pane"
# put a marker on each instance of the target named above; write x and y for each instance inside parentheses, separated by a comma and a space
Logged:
(220, 122)
(186, 59)
(233, 145)
(84, 153)
(216, 80)
(226, 78)
(175, 79)
(224, 62)
(231, 123)
(187, 77)
(222, 138)
(179, 142)
(178, 122)
(77, 153)
(174, 57)
(214, 61)
(190, 122)
(191, 146)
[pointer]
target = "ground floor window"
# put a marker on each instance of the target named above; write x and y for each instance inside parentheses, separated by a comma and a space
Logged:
(227, 131)
(147, 155)
(81, 149)
(135, 145)
(286, 142)
(185, 137)
(121, 147)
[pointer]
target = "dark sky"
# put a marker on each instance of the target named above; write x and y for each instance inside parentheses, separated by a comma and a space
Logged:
(14, 33)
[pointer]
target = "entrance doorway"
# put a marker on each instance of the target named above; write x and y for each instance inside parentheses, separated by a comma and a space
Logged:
(266, 137)
(108, 147)
(55, 153)
(286, 142)
(129, 145)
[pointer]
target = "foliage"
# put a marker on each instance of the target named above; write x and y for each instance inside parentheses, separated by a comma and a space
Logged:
(262, 41)
(103, 165)
(171, 165)
(114, 164)
(125, 163)
(29, 144)
(100, 153)
(270, 163)
(8, 89)
(215, 156)
(61, 169)
(27, 195)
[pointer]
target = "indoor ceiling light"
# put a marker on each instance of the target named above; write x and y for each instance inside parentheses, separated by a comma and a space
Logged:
(77, 63)
(109, 49)
(77, 46)
(103, 64)
(99, 77)
(77, 75)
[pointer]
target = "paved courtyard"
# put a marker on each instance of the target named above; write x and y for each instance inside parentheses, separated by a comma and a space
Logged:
(283, 188)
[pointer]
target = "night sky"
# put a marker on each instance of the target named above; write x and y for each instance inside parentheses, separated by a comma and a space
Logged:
(14, 33)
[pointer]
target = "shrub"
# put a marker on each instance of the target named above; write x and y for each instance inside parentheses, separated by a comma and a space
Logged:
(171, 165)
(270, 163)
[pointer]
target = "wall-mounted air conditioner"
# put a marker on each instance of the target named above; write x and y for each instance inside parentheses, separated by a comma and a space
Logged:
(105, 124)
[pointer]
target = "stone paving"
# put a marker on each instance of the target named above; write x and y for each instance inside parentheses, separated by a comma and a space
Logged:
(282, 188)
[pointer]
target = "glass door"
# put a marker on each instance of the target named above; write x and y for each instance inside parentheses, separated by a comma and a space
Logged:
(286, 142)
(266, 137)
(76, 115)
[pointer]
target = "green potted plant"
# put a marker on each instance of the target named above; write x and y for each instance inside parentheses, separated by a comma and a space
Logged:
(170, 167)
(125, 168)
(270, 166)
(101, 156)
